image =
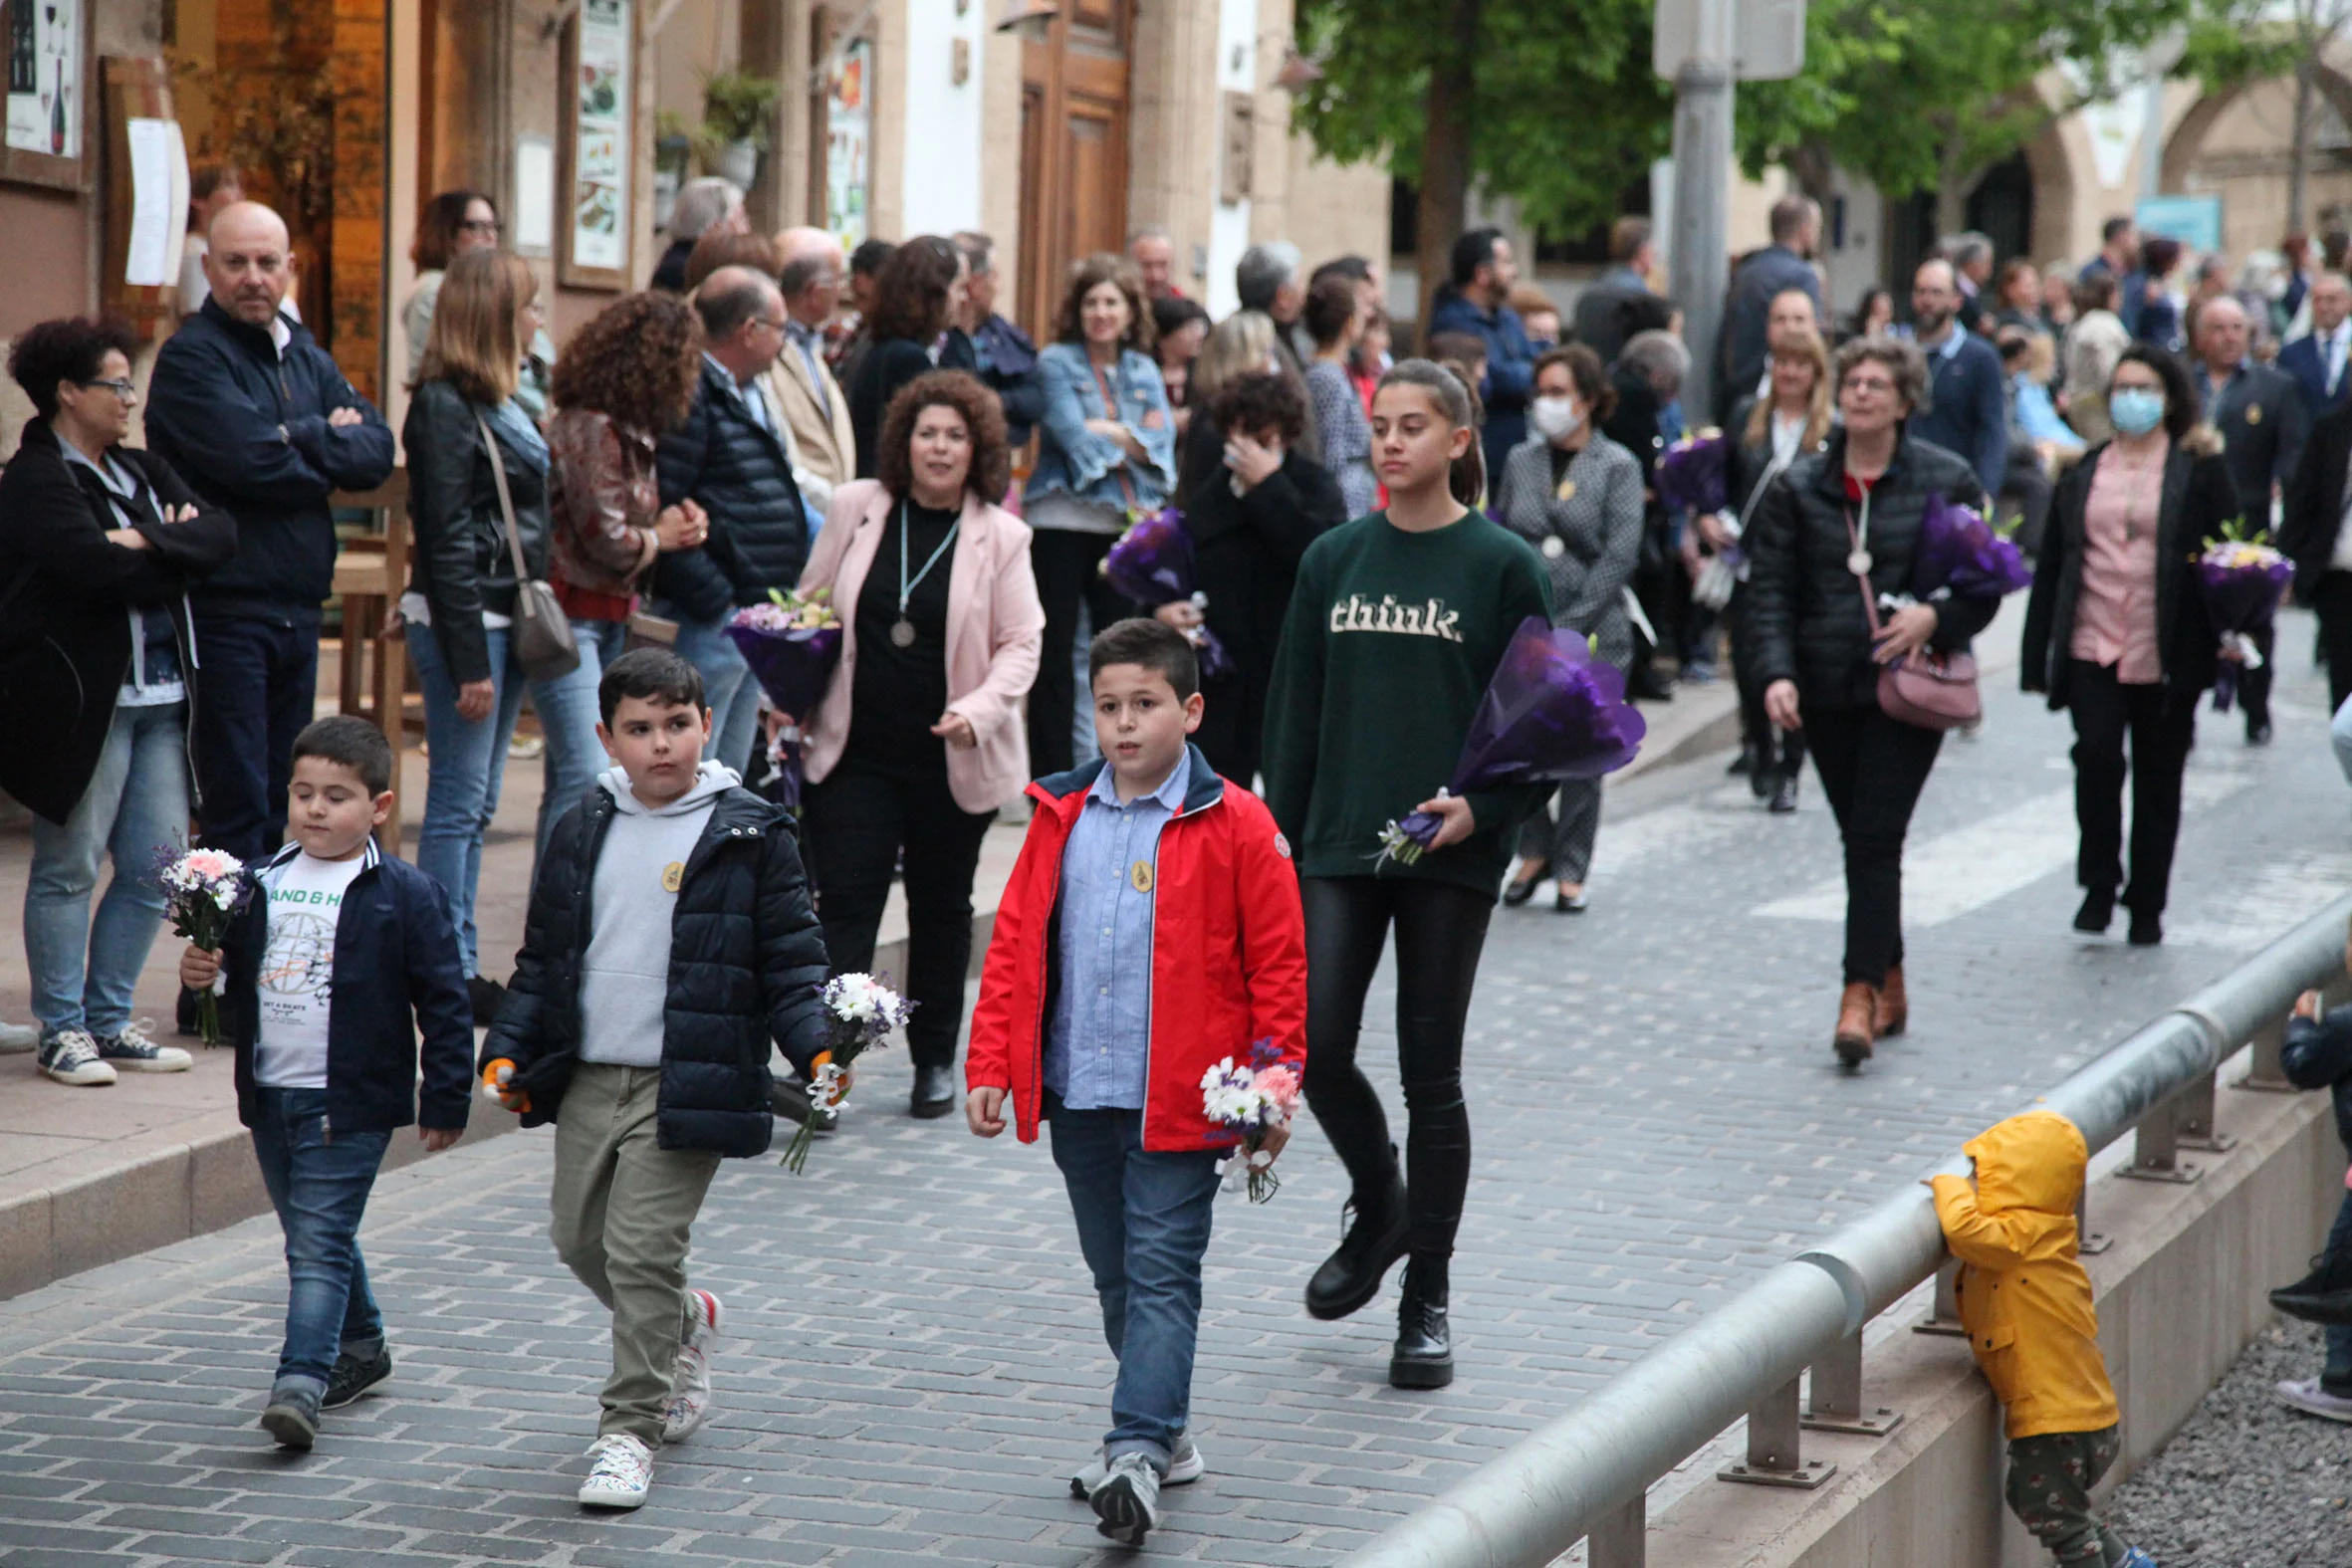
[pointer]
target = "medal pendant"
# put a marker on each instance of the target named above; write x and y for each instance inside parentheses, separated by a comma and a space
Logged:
(1859, 564)
(902, 632)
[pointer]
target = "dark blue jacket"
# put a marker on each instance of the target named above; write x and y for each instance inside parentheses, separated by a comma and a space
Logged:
(1967, 410)
(395, 967)
(2303, 361)
(1748, 309)
(247, 429)
(2259, 414)
(1511, 370)
(2320, 1056)
(747, 965)
(742, 475)
(1008, 362)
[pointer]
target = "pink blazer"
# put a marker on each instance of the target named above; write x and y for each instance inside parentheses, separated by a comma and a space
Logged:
(995, 625)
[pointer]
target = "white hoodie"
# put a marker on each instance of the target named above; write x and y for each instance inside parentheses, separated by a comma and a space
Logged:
(624, 977)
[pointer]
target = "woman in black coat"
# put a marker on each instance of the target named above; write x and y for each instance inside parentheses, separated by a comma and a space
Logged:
(919, 296)
(462, 584)
(1834, 543)
(2116, 630)
(1251, 522)
(97, 544)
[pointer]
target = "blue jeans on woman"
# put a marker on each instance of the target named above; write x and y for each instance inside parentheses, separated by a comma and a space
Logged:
(136, 805)
(568, 714)
(468, 757)
(318, 1186)
(728, 685)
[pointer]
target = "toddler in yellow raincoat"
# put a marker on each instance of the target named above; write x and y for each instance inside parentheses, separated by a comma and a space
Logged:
(2027, 1306)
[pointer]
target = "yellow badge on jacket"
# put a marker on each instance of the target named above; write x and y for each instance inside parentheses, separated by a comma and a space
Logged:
(2253, 413)
(1139, 877)
(673, 874)
(1566, 491)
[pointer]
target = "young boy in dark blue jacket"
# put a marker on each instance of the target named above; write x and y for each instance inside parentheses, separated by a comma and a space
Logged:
(2318, 1055)
(342, 951)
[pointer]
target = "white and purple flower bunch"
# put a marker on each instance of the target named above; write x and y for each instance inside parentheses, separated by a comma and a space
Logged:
(203, 892)
(1250, 1103)
(860, 1012)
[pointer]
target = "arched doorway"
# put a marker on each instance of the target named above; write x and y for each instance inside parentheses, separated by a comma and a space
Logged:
(2000, 208)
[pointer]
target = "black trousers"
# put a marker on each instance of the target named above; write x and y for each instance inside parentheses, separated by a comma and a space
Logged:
(857, 820)
(2162, 727)
(2253, 686)
(1872, 769)
(1440, 930)
(1782, 752)
(255, 690)
(1068, 569)
(2334, 600)
(1232, 726)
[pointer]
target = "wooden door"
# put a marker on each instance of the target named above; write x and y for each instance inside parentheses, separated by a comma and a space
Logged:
(1074, 149)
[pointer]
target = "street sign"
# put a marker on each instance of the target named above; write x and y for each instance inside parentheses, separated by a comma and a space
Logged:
(1764, 40)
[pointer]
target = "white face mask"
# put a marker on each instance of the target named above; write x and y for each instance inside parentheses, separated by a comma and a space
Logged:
(1554, 418)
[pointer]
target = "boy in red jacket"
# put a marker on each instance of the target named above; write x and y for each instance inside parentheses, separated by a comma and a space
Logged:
(1150, 930)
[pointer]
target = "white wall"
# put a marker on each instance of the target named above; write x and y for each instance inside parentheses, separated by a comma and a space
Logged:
(1850, 268)
(1228, 224)
(940, 178)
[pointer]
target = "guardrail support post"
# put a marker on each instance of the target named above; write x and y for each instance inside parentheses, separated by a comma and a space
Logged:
(2264, 1072)
(1773, 1459)
(1944, 1318)
(1834, 1399)
(1620, 1540)
(2089, 1242)
(2156, 1146)
(2192, 1117)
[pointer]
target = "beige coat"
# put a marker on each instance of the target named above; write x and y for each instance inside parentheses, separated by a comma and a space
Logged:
(995, 625)
(822, 441)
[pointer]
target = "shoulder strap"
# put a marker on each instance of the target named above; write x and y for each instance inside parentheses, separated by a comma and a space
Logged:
(506, 501)
(1869, 601)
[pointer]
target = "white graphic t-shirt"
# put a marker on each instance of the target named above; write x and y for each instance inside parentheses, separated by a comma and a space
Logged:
(297, 967)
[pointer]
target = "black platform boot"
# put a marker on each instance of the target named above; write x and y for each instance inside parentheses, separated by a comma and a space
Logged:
(1424, 1356)
(1374, 1241)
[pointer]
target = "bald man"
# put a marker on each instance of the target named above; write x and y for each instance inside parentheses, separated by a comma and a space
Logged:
(815, 410)
(259, 420)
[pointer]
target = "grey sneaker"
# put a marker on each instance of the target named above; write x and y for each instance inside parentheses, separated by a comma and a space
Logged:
(1127, 1503)
(18, 1038)
(134, 1050)
(70, 1056)
(292, 1416)
(2313, 1399)
(1185, 1465)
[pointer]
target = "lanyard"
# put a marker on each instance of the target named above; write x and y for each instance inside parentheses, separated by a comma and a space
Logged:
(1858, 559)
(903, 634)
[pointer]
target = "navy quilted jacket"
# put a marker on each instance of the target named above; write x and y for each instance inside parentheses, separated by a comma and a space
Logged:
(742, 475)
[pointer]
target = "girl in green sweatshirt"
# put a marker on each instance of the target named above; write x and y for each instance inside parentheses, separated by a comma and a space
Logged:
(1396, 626)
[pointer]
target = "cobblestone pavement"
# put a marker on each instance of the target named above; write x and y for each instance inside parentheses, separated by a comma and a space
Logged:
(914, 1364)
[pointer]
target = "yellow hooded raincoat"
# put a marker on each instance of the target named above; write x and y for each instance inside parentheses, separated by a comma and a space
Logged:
(2023, 1297)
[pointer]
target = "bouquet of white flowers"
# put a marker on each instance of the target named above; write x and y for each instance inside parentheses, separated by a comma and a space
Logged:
(1249, 1103)
(203, 892)
(860, 1013)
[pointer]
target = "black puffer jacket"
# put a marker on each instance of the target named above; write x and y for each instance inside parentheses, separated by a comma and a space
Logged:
(462, 563)
(747, 964)
(740, 473)
(1805, 621)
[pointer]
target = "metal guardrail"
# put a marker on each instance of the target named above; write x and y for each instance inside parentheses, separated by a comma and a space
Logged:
(1587, 1473)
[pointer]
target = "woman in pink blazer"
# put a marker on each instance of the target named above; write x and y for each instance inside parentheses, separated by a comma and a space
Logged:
(919, 738)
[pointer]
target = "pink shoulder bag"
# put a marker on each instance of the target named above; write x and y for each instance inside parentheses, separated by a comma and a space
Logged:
(1935, 691)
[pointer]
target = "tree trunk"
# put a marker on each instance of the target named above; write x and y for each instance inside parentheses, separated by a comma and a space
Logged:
(2299, 151)
(1951, 190)
(1445, 155)
(1810, 165)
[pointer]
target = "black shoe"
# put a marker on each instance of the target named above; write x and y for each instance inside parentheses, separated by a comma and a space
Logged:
(789, 1098)
(2146, 930)
(1742, 761)
(292, 1418)
(1523, 888)
(1424, 1357)
(184, 1016)
(2323, 1296)
(353, 1377)
(935, 1090)
(1352, 1277)
(487, 996)
(1570, 903)
(2258, 733)
(2097, 911)
(1784, 795)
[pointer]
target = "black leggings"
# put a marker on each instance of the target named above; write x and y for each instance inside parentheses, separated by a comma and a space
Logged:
(1440, 929)
(1068, 566)
(1872, 769)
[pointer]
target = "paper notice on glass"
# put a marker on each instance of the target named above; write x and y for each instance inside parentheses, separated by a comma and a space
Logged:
(153, 220)
(534, 194)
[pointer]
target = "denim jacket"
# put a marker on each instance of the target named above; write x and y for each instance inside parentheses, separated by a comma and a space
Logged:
(1074, 459)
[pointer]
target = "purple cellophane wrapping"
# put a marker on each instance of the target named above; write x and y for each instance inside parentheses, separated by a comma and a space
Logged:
(792, 666)
(1691, 474)
(2240, 600)
(1960, 551)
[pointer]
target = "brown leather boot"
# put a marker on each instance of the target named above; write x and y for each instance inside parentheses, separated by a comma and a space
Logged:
(1894, 1006)
(1856, 1010)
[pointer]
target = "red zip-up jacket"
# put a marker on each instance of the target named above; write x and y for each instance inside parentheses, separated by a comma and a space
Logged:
(1227, 954)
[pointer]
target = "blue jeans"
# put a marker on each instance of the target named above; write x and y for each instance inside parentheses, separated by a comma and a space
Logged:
(136, 804)
(2336, 1377)
(569, 713)
(1143, 1225)
(318, 1186)
(728, 685)
(256, 685)
(468, 759)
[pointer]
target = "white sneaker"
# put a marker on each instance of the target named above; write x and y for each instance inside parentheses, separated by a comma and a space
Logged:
(621, 1476)
(2313, 1399)
(1185, 1465)
(18, 1038)
(690, 1402)
(70, 1056)
(134, 1050)
(1127, 1503)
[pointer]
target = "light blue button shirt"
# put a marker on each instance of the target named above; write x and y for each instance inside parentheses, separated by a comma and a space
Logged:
(748, 394)
(1099, 1043)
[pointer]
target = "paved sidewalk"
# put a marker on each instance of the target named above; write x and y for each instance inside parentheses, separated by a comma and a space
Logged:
(915, 1362)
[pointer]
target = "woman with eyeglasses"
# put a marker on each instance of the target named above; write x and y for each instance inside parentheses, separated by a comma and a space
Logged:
(98, 545)
(452, 223)
(1833, 603)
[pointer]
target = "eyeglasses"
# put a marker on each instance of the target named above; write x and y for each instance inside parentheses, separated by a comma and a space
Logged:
(121, 389)
(1868, 383)
(762, 321)
(488, 226)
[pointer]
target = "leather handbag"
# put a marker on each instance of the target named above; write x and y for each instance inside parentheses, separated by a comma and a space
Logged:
(1935, 691)
(542, 640)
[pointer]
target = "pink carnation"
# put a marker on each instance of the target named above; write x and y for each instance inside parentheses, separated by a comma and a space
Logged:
(210, 864)
(1280, 1086)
